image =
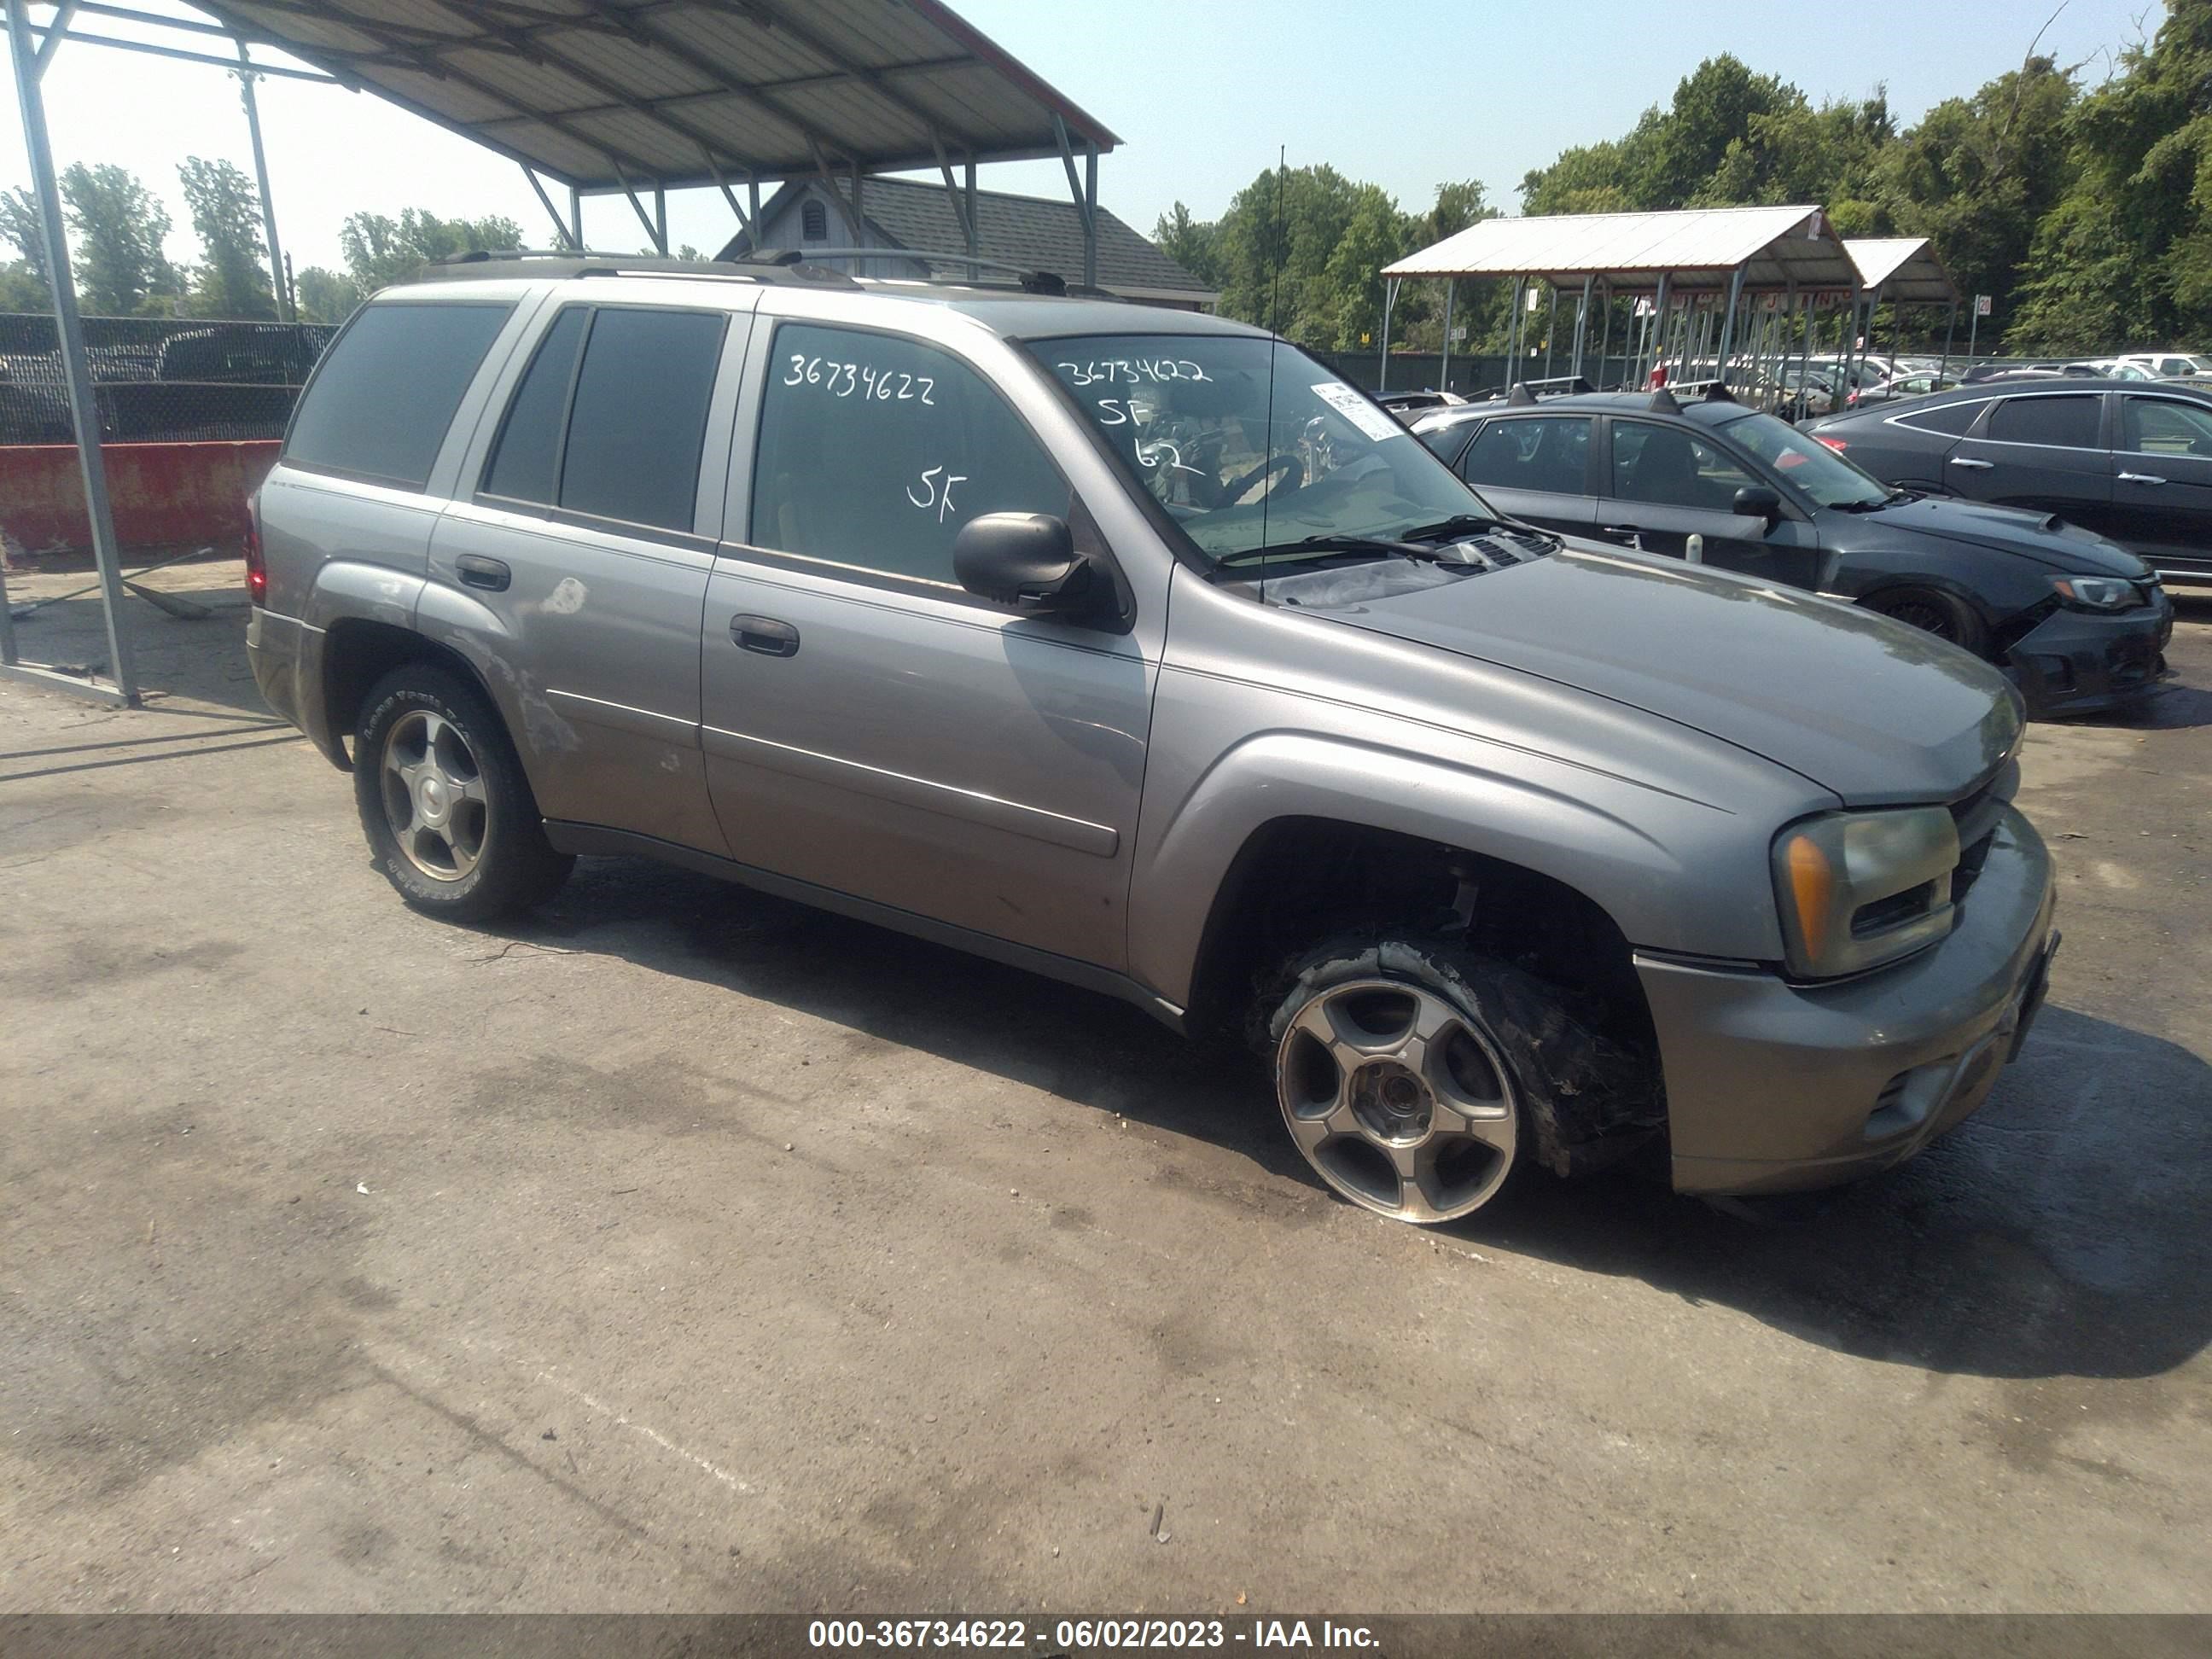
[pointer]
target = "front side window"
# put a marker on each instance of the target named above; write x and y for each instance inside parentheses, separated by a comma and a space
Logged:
(2068, 422)
(1250, 443)
(380, 404)
(1549, 453)
(2161, 426)
(1667, 466)
(1807, 463)
(874, 450)
(611, 415)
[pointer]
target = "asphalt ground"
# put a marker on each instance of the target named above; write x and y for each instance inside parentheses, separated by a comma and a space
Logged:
(684, 1249)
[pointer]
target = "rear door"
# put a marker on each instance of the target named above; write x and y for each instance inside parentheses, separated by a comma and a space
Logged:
(575, 569)
(2044, 451)
(1666, 483)
(2161, 465)
(1537, 468)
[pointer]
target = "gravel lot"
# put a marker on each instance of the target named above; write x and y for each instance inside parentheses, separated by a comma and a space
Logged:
(688, 1250)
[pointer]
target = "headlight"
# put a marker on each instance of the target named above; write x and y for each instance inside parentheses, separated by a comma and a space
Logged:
(1860, 888)
(2097, 593)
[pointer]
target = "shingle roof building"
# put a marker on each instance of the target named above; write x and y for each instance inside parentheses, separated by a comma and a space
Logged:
(1033, 232)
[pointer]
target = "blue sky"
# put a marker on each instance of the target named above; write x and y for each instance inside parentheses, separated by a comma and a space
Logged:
(1404, 93)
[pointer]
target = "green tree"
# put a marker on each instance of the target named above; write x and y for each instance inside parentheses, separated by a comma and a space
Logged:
(19, 224)
(325, 296)
(2126, 258)
(23, 289)
(232, 279)
(1190, 242)
(380, 249)
(118, 262)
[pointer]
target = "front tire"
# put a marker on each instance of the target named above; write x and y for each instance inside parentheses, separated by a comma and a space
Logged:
(1400, 1069)
(1932, 610)
(444, 802)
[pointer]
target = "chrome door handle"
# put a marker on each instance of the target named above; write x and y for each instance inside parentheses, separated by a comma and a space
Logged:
(476, 571)
(2139, 477)
(1969, 461)
(764, 634)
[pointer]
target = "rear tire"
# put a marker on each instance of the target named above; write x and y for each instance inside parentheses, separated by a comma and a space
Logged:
(444, 802)
(1932, 610)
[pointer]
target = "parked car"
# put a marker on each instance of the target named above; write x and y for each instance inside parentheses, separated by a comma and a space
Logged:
(2079, 624)
(1407, 405)
(1137, 648)
(1918, 383)
(2170, 365)
(2130, 462)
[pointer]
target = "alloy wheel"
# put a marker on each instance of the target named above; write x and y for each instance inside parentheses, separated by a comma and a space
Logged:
(1399, 1101)
(434, 798)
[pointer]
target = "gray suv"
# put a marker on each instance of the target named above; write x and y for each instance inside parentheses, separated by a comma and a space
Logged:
(1135, 647)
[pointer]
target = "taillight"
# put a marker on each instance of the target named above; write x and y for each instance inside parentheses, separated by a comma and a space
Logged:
(257, 571)
(1836, 444)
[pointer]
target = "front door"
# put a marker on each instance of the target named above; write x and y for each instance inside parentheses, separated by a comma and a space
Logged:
(1666, 484)
(2162, 483)
(871, 728)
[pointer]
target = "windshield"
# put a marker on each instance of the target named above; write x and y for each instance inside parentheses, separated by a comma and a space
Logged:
(1807, 463)
(1191, 417)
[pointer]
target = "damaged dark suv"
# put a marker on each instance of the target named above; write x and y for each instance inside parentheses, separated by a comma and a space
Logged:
(2080, 623)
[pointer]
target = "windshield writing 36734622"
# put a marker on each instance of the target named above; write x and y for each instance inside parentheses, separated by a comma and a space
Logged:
(1244, 452)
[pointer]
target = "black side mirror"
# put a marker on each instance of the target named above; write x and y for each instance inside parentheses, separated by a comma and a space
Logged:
(1027, 560)
(1758, 502)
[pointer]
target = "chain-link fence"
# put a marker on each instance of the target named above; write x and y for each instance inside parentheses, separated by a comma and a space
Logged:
(156, 379)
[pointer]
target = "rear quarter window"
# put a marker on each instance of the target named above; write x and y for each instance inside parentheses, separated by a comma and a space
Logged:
(378, 406)
(1952, 419)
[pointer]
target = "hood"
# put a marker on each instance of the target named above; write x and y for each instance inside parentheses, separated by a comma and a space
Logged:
(2064, 549)
(1867, 708)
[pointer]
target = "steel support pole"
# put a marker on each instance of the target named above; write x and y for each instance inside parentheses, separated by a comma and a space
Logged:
(84, 409)
(1581, 323)
(661, 218)
(560, 230)
(1950, 327)
(1383, 364)
(1727, 325)
(1658, 326)
(281, 289)
(1550, 328)
(1444, 372)
(1090, 216)
(1974, 328)
(1513, 334)
(975, 231)
(576, 217)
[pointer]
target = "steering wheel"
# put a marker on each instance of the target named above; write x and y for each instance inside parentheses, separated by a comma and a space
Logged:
(1233, 492)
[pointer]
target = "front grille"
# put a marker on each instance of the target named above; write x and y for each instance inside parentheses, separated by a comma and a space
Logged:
(1976, 815)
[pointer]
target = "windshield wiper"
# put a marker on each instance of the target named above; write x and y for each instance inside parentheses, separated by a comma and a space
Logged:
(1321, 547)
(1456, 525)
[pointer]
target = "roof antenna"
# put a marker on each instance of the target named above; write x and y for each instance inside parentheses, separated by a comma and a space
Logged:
(1275, 344)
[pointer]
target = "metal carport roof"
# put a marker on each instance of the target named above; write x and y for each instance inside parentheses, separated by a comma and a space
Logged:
(1696, 248)
(1904, 268)
(608, 95)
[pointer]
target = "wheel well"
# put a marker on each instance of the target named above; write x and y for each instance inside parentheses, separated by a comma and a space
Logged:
(358, 652)
(1297, 881)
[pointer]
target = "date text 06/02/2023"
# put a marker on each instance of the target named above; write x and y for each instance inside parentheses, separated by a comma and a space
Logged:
(1086, 1635)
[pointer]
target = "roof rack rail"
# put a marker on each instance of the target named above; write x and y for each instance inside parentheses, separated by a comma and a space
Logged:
(1031, 279)
(768, 265)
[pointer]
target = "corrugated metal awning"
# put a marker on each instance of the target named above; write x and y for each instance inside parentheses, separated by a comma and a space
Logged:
(1697, 248)
(1905, 269)
(598, 93)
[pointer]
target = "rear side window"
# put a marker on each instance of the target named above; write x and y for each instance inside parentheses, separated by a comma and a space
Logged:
(381, 402)
(875, 450)
(611, 416)
(1551, 454)
(1949, 418)
(2068, 422)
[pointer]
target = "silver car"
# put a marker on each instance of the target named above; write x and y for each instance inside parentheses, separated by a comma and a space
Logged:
(1135, 647)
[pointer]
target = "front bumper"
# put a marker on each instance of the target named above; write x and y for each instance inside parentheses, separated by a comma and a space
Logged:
(2077, 662)
(1773, 1087)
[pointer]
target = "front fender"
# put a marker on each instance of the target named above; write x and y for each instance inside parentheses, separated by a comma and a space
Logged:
(1673, 873)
